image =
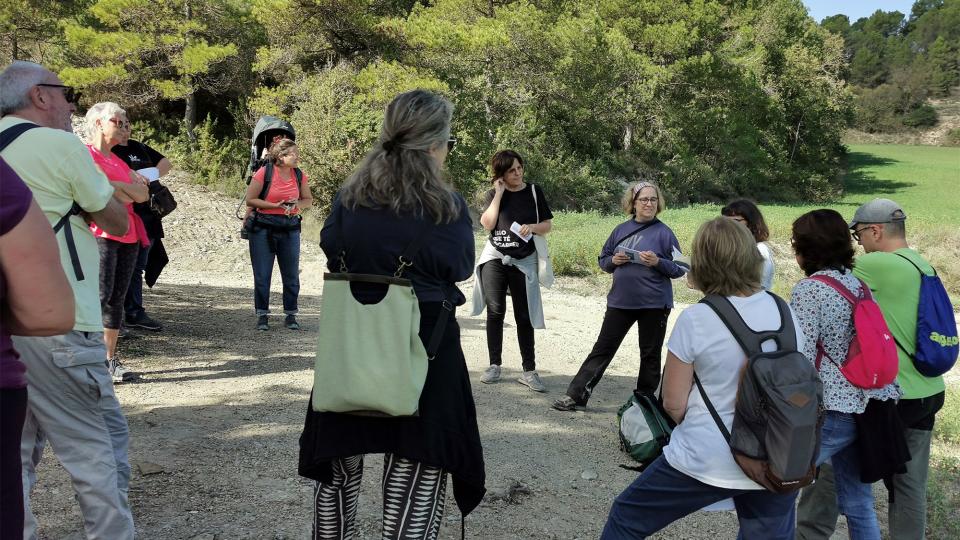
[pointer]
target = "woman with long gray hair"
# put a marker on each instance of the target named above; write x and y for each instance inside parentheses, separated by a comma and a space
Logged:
(396, 195)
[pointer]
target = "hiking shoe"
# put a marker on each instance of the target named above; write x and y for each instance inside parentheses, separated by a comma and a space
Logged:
(491, 375)
(262, 323)
(144, 321)
(531, 379)
(291, 322)
(119, 373)
(566, 403)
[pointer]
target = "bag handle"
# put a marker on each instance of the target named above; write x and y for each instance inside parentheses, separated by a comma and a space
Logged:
(643, 227)
(536, 206)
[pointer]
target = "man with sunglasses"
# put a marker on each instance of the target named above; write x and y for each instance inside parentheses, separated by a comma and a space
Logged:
(70, 400)
(889, 268)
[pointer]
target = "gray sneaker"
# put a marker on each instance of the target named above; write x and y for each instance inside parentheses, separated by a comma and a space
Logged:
(531, 379)
(119, 373)
(491, 375)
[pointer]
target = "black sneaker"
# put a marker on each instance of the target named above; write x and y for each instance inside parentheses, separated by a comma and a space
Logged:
(291, 322)
(144, 321)
(262, 323)
(123, 331)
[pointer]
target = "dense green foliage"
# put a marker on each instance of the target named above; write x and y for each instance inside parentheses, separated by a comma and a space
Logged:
(713, 98)
(897, 62)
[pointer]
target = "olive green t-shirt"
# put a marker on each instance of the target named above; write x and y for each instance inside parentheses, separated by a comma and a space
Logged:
(896, 288)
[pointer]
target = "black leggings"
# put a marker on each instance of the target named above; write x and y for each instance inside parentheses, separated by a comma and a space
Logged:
(117, 263)
(496, 279)
(13, 406)
(651, 329)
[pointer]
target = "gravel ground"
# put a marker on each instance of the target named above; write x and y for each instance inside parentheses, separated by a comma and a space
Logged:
(215, 420)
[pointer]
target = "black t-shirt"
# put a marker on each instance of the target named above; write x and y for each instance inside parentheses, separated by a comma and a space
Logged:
(520, 207)
(138, 155)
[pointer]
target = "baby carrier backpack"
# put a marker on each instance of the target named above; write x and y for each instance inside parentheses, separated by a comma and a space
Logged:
(267, 130)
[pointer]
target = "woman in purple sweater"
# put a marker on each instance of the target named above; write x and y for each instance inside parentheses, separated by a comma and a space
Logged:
(639, 253)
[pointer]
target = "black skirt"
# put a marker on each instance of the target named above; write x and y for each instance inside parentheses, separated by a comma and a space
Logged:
(445, 434)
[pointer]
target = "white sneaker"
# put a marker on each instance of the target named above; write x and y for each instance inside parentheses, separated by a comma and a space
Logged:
(119, 373)
(531, 379)
(491, 375)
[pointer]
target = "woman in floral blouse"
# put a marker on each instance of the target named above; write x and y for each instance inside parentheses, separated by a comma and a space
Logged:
(821, 241)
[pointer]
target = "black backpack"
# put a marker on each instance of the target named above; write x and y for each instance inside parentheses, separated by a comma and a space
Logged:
(8, 136)
(779, 411)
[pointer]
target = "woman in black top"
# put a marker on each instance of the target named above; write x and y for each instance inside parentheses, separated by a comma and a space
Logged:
(514, 211)
(385, 203)
(139, 156)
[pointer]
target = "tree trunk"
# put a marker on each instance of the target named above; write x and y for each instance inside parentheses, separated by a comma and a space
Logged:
(627, 137)
(15, 49)
(190, 115)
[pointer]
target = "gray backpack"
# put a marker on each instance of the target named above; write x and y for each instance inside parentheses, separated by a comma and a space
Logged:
(779, 411)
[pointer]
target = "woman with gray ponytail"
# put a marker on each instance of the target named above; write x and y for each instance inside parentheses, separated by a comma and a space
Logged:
(398, 198)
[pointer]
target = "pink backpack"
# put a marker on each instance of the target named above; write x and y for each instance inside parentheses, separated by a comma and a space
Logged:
(872, 360)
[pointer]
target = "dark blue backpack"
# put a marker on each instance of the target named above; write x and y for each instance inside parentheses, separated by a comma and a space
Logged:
(937, 341)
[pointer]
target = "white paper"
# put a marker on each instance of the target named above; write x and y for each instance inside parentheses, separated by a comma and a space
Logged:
(632, 254)
(515, 229)
(152, 173)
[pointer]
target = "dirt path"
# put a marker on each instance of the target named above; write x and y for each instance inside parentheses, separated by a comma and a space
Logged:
(215, 421)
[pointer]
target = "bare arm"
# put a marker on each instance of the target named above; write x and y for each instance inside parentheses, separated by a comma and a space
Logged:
(676, 386)
(164, 166)
(253, 196)
(306, 197)
(488, 219)
(113, 217)
(39, 298)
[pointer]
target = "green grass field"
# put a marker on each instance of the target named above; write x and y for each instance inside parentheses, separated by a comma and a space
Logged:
(925, 180)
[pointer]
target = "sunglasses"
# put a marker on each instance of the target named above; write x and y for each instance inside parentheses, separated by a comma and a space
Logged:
(451, 142)
(69, 93)
(121, 124)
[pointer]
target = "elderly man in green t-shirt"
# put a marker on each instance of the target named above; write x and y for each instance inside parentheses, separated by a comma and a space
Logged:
(880, 227)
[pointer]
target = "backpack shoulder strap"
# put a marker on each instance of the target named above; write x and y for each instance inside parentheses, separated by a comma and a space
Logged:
(836, 285)
(536, 205)
(748, 339)
(641, 228)
(922, 273)
(298, 173)
(711, 408)
(267, 178)
(11, 133)
(64, 221)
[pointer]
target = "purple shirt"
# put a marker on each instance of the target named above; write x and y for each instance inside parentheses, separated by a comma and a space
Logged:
(636, 286)
(15, 198)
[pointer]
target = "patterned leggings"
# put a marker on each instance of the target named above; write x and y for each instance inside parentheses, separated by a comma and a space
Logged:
(413, 499)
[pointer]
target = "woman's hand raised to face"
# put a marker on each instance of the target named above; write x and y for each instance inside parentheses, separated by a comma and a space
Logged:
(499, 186)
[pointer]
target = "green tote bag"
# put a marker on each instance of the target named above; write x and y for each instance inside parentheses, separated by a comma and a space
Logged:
(370, 359)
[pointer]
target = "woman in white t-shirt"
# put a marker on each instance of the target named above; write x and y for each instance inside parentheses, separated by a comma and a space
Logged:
(697, 467)
(745, 212)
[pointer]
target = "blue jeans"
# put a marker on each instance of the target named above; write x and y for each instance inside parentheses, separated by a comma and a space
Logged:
(133, 303)
(838, 440)
(662, 495)
(284, 247)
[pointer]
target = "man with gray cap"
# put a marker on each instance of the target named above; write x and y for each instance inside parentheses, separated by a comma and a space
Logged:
(890, 268)
(70, 400)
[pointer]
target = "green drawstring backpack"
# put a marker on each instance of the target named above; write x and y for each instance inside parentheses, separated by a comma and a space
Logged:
(370, 358)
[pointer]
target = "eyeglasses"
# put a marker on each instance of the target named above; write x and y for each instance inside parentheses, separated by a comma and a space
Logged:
(69, 93)
(738, 219)
(451, 142)
(648, 200)
(856, 233)
(120, 123)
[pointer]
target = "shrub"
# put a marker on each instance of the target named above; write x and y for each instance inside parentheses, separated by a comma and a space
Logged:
(921, 116)
(216, 162)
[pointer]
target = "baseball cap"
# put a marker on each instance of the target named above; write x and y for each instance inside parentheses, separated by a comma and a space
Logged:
(878, 211)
